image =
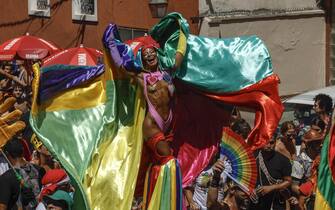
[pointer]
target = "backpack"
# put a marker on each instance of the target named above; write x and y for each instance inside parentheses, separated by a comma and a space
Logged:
(31, 178)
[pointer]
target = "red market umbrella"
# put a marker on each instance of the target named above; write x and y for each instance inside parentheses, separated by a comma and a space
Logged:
(27, 47)
(80, 56)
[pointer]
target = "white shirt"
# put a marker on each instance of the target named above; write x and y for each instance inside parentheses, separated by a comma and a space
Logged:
(40, 206)
(3, 165)
(201, 186)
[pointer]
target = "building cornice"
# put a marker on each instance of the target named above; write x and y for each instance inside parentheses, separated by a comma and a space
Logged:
(235, 15)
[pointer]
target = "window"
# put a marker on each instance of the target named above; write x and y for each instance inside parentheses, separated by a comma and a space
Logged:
(131, 33)
(84, 10)
(39, 8)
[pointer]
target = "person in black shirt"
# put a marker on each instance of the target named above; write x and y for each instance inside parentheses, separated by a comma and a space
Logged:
(11, 182)
(10, 190)
(274, 176)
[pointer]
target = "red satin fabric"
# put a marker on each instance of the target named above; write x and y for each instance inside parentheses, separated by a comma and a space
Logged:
(158, 160)
(331, 152)
(152, 144)
(263, 97)
(149, 154)
(154, 173)
(199, 120)
(197, 128)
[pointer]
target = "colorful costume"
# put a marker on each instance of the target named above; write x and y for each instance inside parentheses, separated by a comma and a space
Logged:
(108, 111)
(152, 79)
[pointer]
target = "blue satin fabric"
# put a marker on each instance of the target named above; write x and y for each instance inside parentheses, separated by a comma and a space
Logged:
(224, 65)
(211, 64)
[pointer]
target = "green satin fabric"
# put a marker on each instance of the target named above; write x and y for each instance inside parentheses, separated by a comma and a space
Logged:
(85, 126)
(69, 135)
(225, 65)
(166, 33)
(111, 177)
(211, 64)
(93, 145)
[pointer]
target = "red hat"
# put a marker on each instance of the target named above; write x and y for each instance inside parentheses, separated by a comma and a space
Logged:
(142, 42)
(52, 179)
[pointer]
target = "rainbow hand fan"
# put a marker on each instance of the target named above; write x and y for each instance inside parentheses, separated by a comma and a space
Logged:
(239, 155)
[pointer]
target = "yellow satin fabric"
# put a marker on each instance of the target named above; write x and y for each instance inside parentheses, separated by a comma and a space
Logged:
(95, 94)
(65, 101)
(145, 192)
(182, 44)
(34, 86)
(320, 202)
(111, 178)
(155, 201)
(156, 195)
(173, 187)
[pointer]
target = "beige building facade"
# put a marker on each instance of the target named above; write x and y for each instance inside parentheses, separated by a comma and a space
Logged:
(293, 30)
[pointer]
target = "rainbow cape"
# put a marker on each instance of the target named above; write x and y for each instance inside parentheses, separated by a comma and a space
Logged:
(91, 118)
(325, 199)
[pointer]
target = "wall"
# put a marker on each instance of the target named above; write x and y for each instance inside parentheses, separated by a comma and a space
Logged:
(296, 41)
(59, 28)
(215, 6)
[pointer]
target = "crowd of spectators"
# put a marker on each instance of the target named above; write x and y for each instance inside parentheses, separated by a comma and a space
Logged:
(287, 168)
(30, 178)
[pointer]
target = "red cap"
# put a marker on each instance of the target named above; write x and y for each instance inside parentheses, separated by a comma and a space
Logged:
(142, 42)
(51, 179)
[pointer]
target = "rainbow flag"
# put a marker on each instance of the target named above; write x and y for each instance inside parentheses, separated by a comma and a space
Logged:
(325, 199)
(90, 118)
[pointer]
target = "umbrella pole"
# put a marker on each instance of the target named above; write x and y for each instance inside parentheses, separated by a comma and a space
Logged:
(18, 176)
(9, 163)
